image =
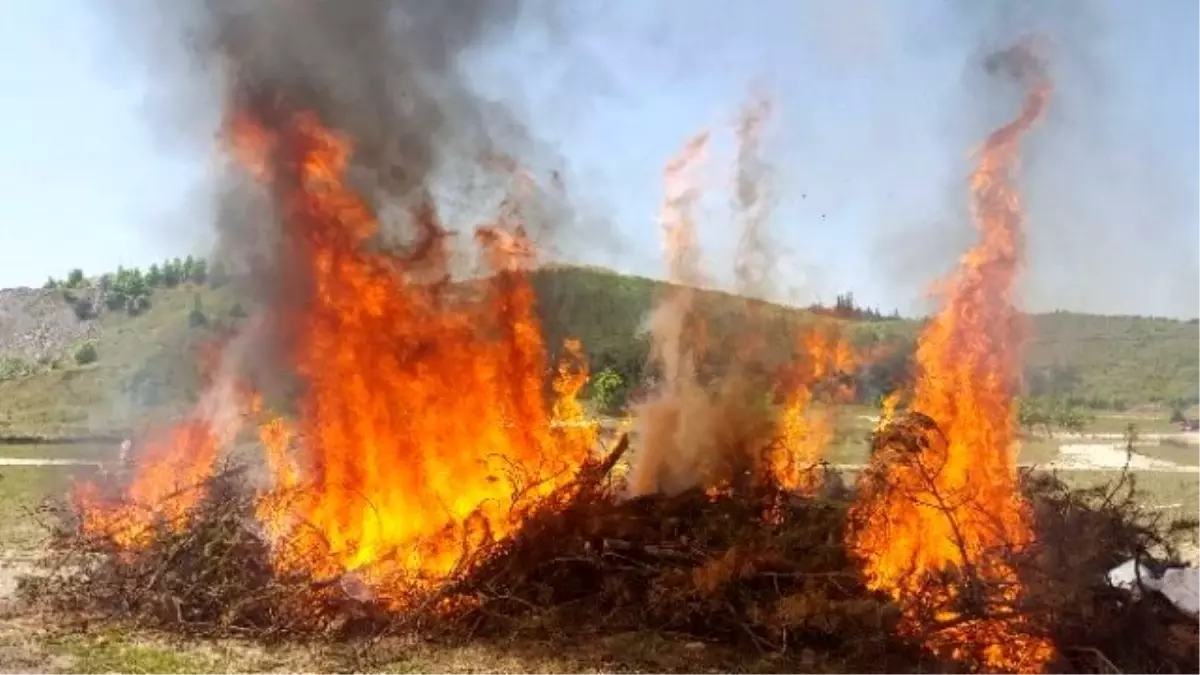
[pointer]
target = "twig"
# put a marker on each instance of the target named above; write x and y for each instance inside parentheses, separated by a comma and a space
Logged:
(1103, 660)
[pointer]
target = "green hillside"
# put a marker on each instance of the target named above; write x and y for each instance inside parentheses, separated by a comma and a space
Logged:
(145, 351)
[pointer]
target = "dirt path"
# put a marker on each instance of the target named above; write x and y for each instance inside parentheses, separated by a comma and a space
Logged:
(47, 461)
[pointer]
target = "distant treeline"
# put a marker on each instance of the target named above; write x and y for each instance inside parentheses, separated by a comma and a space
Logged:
(607, 312)
(129, 289)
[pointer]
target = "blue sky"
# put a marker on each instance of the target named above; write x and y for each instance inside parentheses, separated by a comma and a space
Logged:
(878, 104)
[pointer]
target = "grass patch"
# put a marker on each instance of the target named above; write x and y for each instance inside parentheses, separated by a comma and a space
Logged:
(146, 364)
(1117, 424)
(115, 652)
(1178, 494)
(119, 650)
(22, 489)
(1173, 450)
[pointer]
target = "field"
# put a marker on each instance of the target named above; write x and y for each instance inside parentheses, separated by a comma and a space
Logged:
(30, 646)
(145, 372)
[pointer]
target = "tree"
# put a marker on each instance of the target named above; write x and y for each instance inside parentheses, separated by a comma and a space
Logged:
(1068, 417)
(75, 278)
(1032, 415)
(50, 284)
(86, 353)
(608, 390)
(172, 272)
(1049, 414)
(154, 276)
(199, 271)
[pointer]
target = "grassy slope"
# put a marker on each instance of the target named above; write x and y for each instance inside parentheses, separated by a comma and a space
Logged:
(146, 361)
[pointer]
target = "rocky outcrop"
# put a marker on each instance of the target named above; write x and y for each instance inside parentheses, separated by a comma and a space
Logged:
(37, 323)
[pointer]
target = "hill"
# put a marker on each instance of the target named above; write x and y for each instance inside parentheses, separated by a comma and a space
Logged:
(145, 350)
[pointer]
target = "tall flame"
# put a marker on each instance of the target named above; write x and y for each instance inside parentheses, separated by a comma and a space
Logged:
(955, 506)
(422, 420)
(421, 429)
(808, 420)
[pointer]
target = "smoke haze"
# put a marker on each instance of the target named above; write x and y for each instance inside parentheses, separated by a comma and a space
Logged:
(877, 104)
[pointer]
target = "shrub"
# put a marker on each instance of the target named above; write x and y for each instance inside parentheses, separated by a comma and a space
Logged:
(75, 278)
(83, 309)
(12, 368)
(86, 353)
(135, 305)
(608, 390)
(197, 317)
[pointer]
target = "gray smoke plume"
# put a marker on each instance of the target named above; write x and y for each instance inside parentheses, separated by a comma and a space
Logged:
(388, 76)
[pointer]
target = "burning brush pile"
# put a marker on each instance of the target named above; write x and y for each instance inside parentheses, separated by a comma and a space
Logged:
(425, 469)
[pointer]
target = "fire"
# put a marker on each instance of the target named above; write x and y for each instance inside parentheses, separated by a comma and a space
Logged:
(954, 507)
(421, 428)
(171, 468)
(166, 486)
(807, 422)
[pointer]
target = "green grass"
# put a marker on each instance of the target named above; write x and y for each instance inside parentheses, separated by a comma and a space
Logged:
(147, 368)
(1146, 423)
(22, 490)
(78, 650)
(1179, 493)
(116, 652)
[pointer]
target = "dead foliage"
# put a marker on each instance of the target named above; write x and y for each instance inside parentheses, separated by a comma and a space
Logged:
(752, 568)
(1084, 533)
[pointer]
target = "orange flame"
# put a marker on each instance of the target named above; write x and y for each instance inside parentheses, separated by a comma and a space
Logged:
(170, 468)
(166, 486)
(955, 506)
(422, 426)
(806, 424)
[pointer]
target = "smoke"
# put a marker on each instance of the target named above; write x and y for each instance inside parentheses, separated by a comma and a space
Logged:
(695, 432)
(430, 155)
(1111, 207)
(755, 265)
(388, 74)
(675, 438)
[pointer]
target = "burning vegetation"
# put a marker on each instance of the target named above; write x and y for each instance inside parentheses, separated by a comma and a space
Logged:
(430, 469)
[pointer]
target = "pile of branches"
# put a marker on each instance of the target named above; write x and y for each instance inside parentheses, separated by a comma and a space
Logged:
(765, 572)
(211, 577)
(1083, 533)
(752, 568)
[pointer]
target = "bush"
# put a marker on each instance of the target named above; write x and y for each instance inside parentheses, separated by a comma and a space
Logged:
(135, 305)
(83, 309)
(75, 278)
(609, 390)
(12, 368)
(197, 318)
(86, 353)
